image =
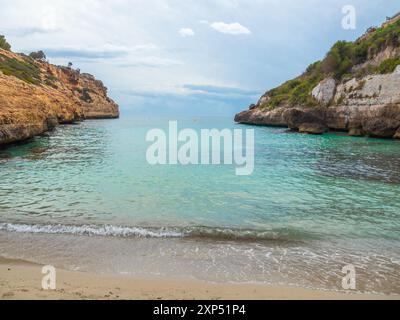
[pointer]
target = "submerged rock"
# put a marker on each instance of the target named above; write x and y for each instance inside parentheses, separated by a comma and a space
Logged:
(312, 128)
(397, 134)
(357, 132)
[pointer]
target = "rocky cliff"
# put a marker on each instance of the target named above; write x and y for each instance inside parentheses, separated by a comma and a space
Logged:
(36, 96)
(356, 89)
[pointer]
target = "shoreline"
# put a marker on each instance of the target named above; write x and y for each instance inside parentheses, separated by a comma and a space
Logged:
(319, 121)
(21, 280)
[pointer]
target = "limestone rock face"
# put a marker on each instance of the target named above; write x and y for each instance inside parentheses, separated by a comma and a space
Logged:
(371, 90)
(360, 96)
(261, 117)
(305, 118)
(324, 91)
(381, 121)
(381, 127)
(366, 106)
(378, 121)
(60, 96)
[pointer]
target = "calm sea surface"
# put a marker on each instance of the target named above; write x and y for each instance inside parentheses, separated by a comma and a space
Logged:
(85, 198)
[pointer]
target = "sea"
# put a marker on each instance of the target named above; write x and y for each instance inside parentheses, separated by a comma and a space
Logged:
(85, 197)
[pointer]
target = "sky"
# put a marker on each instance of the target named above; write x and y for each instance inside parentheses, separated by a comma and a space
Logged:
(186, 57)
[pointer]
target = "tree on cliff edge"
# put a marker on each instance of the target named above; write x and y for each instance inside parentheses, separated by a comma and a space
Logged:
(39, 55)
(4, 44)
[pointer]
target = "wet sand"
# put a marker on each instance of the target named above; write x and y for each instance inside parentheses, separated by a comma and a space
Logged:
(22, 280)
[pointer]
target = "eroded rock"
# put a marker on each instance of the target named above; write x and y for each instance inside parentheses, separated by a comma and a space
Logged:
(381, 127)
(325, 91)
(296, 117)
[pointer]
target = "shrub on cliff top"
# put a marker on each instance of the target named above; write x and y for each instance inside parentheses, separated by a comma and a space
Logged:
(38, 55)
(4, 44)
(345, 55)
(340, 59)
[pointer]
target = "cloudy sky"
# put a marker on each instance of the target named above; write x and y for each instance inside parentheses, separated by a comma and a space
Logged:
(197, 57)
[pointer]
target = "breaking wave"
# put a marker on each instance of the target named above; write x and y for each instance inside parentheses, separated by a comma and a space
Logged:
(140, 232)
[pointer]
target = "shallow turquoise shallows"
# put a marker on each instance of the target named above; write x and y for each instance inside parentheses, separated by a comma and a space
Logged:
(313, 205)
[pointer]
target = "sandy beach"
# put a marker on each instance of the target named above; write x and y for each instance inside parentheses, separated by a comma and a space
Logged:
(22, 280)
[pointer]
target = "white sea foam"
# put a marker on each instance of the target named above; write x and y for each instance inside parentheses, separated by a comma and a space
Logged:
(164, 232)
(91, 230)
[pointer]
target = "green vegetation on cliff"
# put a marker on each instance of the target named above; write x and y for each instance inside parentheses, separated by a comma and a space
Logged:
(25, 70)
(339, 63)
(4, 44)
(294, 92)
(388, 66)
(86, 96)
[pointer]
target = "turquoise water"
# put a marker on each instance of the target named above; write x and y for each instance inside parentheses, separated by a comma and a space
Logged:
(312, 205)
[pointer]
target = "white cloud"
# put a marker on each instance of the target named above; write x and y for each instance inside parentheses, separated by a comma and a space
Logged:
(100, 36)
(230, 28)
(103, 51)
(186, 32)
(49, 18)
